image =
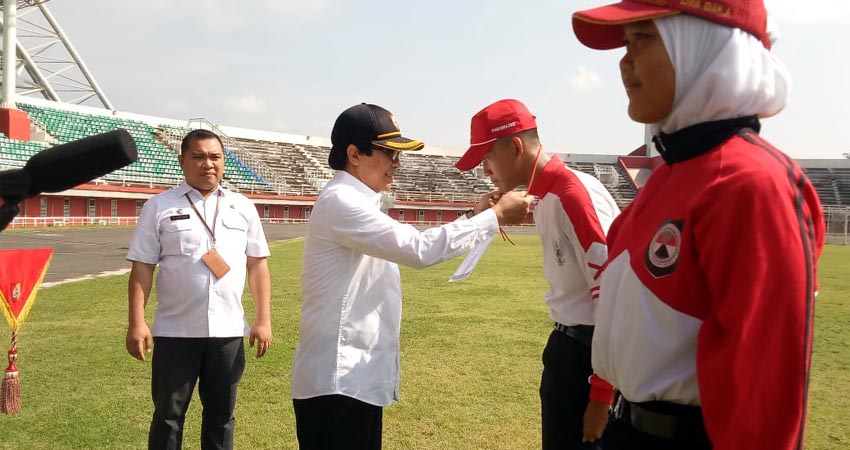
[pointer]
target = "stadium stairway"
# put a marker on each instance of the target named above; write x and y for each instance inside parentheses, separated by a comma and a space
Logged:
(238, 175)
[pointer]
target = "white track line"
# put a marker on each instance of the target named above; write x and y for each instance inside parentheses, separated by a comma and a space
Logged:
(112, 273)
(108, 273)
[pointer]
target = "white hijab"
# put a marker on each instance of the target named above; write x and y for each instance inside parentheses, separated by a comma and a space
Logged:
(721, 73)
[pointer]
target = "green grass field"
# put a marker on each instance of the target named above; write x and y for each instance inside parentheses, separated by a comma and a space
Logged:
(470, 362)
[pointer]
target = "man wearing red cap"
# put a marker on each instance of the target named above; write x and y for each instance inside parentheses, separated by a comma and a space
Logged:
(572, 217)
(705, 320)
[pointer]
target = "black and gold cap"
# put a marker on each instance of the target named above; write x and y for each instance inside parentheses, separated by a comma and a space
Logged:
(368, 124)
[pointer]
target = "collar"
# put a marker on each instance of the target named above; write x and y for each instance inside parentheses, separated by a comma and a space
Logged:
(185, 188)
(700, 138)
(347, 179)
(544, 179)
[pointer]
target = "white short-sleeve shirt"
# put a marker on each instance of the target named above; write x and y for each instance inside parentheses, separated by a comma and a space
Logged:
(191, 301)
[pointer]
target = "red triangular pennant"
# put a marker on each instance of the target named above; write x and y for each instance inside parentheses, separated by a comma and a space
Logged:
(21, 273)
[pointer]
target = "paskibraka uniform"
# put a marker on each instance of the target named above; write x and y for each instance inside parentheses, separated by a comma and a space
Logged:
(572, 216)
(707, 300)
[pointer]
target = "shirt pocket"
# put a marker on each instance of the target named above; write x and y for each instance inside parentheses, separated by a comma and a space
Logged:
(178, 237)
(234, 230)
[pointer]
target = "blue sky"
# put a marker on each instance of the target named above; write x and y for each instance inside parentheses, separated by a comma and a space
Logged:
(292, 65)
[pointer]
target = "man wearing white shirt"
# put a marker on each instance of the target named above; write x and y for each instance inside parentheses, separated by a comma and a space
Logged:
(346, 368)
(204, 239)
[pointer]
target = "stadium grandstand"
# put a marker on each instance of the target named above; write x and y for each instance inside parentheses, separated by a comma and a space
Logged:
(281, 173)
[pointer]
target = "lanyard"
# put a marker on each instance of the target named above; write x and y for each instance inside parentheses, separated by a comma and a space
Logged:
(533, 170)
(527, 189)
(200, 216)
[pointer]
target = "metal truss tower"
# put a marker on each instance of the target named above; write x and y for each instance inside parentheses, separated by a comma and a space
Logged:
(47, 63)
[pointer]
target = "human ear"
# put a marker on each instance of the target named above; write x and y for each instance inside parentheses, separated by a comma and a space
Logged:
(353, 154)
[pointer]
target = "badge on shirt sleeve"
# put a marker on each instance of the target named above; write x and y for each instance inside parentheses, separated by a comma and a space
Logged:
(179, 217)
(559, 254)
(662, 254)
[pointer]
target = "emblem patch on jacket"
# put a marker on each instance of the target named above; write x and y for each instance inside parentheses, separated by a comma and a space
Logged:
(662, 254)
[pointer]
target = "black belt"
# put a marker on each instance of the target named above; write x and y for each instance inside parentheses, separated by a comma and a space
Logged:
(581, 333)
(665, 420)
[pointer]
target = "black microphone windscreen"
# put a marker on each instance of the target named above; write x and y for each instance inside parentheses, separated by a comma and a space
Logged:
(65, 166)
(14, 184)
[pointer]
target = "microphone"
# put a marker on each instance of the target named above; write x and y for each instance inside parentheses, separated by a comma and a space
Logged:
(63, 167)
(68, 165)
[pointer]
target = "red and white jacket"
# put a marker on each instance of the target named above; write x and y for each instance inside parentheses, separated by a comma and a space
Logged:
(572, 216)
(707, 297)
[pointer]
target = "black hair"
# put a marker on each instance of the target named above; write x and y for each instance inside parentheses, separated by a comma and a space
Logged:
(198, 135)
(526, 136)
(338, 157)
(529, 134)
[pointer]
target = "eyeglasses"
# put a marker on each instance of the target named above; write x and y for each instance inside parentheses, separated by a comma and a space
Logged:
(393, 154)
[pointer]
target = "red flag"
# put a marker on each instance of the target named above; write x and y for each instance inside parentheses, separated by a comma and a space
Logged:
(21, 273)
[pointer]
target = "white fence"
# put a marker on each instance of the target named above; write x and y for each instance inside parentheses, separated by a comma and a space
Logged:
(59, 222)
(49, 222)
(52, 222)
(837, 225)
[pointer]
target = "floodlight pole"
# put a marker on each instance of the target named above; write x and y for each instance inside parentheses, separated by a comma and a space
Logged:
(10, 23)
(14, 123)
(73, 52)
(647, 139)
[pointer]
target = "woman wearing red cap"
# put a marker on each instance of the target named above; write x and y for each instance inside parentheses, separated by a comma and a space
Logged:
(705, 316)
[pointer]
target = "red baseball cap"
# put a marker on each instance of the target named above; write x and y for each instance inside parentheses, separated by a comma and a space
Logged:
(500, 119)
(602, 28)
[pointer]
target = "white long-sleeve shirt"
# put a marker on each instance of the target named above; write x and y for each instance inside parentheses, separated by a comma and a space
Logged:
(572, 218)
(348, 342)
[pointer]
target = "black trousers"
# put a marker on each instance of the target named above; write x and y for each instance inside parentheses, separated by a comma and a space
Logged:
(621, 435)
(564, 392)
(216, 364)
(337, 422)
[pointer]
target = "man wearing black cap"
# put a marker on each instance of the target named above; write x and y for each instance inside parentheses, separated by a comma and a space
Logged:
(346, 368)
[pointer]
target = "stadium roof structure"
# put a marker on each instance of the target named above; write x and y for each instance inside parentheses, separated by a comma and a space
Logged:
(48, 64)
(24, 3)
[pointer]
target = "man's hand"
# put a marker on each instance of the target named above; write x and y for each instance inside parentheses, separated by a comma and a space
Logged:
(512, 207)
(487, 201)
(139, 341)
(595, 420)
(261, 333)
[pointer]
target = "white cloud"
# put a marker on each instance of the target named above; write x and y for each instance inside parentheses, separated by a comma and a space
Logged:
(296, 9)
(585, 80)
(246, 104)
(177, 108)
(278, 124)
(229, 15)
(808, 12)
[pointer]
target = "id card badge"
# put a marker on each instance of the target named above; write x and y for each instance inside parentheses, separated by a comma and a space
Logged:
(216, 263)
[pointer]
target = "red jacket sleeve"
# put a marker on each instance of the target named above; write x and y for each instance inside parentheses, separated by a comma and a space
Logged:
(592, 250)
(758, 238)
(600, 390)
